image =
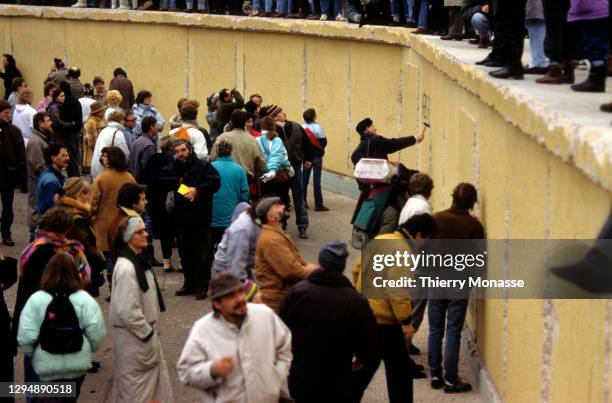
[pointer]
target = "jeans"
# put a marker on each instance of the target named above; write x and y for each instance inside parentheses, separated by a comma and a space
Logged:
(169, 4)
(317, 167)
(595, 37)
(7, 195)
(201, 5)
(423, 11)
(297, 192)
(29, 375)
(408, 9)
(325, 7)
(110, 265)
(451, 312)
(537, 34)
(284, 6)
(255, 6)
(481, 25)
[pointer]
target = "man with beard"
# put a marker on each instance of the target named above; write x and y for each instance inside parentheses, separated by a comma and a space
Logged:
(192, 182)
(35, 162)
(278, 265)
(12, 161)
(240, 352)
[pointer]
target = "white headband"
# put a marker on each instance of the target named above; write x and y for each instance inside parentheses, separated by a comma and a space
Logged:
(131, 228)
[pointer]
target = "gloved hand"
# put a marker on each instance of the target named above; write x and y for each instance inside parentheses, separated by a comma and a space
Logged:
(268, 176)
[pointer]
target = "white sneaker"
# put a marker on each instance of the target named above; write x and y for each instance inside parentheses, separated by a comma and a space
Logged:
(357, 18)
(340, 18)
(323, 17)
(79, 5)
(123, 8)
(396, 19)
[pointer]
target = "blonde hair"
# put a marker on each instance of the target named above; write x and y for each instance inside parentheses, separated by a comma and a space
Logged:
(114, 98)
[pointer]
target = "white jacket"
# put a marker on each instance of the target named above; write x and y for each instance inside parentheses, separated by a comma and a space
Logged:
(23, 119)
(197, 140)
(261, 349)
(105, 139)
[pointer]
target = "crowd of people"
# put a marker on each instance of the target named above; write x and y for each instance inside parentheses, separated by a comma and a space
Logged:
(104, 180)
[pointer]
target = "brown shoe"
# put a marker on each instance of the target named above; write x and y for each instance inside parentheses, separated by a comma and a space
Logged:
(568, 73)
(552, 76)
(484, 43)
(606, 107)
(422, 31)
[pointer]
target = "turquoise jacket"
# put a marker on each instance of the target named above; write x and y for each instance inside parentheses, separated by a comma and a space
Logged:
(234, 189)
(275, 153)
(60, 366)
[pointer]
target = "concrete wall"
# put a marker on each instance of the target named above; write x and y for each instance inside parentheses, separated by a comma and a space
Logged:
(534, 180)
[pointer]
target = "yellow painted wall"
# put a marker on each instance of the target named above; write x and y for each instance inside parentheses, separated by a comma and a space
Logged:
(478, 135)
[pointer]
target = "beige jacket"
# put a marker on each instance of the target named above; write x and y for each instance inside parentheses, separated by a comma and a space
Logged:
(245, 151)
(261, 349)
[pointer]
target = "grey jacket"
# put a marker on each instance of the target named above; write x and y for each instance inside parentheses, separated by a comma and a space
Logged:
(236, 251)
(35, 163)
(534, 10)
(143, 148)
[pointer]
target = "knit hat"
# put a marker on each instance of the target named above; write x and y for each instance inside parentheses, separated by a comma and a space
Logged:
(416, 205)
(261, 210)
(131, 227)
(363, 125)
(97, 107)
(270, 110)
(72, 187)
(223, 284)
(250, 289)
(332, 256)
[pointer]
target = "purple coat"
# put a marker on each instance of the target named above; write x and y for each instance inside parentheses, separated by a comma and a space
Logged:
(588, 10)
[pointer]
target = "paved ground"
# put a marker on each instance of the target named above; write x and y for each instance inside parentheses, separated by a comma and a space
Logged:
(184, 311)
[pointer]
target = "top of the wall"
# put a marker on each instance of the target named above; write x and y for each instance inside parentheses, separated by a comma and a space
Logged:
(274, 25)
(568, 124)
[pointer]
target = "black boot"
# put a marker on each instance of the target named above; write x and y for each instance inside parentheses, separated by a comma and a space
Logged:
(596, 82)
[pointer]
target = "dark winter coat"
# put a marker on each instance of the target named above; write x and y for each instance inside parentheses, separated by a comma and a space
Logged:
(162, 220)
(330, 322)
(195, 173)
(123, 84)
(72, 112)
(10, 72)
(8, 342)
(298, 145)
(224, 113)
(375, 146)
(12, 155)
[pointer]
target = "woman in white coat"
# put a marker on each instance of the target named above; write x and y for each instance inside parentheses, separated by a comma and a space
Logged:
(140, 373)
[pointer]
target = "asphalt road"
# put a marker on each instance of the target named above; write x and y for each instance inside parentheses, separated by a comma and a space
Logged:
(182, 312)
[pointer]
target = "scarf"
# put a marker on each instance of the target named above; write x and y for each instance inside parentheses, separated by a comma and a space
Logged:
(141, 265)
(60, 245)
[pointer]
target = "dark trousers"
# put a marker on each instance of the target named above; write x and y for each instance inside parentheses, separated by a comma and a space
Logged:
(418, 312)
(78, 382)
(166, 244)
(392, 350)
(455, 21)
(7, 195)
(595, 39)
(562, 38)
(6, 370)
(297, 192)
(510, 31)
(280, 189)
(452, 314)
(216, 233)
(72, 146)
(192, 246)
(317, 167)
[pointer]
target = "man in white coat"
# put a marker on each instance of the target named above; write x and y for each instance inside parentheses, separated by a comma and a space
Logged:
(240, 352)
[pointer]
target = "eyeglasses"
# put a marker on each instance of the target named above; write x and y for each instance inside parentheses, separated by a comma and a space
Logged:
(140, 231)
(130, 120)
